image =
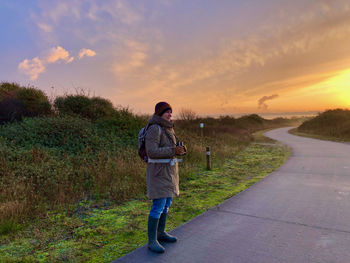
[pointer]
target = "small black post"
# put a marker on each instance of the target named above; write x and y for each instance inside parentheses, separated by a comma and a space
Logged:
(208, 158)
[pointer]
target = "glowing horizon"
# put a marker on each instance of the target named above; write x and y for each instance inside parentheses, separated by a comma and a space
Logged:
(216, 59)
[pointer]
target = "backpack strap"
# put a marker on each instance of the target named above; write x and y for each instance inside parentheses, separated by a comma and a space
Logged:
(145, 130)
(160, 128)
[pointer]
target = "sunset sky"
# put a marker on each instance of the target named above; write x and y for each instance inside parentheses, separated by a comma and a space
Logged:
(214, 57)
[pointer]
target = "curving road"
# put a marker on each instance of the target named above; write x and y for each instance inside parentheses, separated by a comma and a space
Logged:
(299, 213)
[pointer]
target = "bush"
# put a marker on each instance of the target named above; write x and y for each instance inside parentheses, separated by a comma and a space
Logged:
(122, 120)
(7, 90)
(101, 107)
(122, 124)
(227, 120)
(11, 109)
(35, 102)
(80, 105)
(17, 102)
(72, 105)
(251, 122)
(334, 123)
(187, 114)
(74, 135)
(70, 135)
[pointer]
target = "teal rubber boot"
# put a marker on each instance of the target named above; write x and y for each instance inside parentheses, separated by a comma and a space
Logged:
(162, 235)
(153, 243)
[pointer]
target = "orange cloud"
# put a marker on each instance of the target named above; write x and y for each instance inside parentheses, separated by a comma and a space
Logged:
(56, 54)
(33, 68)
(36, 66)
(86, 52)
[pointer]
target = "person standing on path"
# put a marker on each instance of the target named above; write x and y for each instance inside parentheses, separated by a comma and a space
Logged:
(162, 173)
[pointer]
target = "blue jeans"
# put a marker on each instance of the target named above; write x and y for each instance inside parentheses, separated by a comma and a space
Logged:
(160, 206)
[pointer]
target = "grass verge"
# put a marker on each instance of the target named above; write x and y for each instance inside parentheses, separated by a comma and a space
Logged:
(316, 136)
(105, 232)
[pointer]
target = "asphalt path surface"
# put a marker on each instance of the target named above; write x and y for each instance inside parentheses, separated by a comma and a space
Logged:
(299, 213)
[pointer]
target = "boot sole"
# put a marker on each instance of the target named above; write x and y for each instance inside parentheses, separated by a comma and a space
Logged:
(167, 240)
(157, 251)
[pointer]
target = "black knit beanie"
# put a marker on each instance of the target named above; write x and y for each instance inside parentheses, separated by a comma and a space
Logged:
(162, 107)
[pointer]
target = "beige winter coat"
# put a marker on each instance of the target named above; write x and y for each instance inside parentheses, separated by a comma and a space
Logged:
(162, 178)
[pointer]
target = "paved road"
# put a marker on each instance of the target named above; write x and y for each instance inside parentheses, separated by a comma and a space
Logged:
(299, 213)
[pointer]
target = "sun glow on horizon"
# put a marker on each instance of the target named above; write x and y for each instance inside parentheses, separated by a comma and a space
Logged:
(340, 85)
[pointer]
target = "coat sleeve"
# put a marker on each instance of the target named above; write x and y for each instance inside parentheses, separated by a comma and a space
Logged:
(154, 151)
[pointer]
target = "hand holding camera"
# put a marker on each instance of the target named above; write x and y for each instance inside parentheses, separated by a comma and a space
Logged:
(180, 148)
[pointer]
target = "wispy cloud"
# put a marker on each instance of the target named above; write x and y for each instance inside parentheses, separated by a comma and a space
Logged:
(45, 27)
(86, 52)
(119, 10)
(54, 12)
(134, 57)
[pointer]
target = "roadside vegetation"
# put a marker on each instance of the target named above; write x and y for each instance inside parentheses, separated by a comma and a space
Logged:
(329, 125)
(73, 187)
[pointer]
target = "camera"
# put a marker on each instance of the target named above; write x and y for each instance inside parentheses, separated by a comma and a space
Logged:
(180, 144)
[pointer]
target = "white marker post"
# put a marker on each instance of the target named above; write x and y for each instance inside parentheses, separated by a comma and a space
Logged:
(201, 125)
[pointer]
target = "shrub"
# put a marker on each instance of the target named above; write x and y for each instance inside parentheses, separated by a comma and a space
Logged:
(7, 90)
(334, 123)
(101, 108)
(35, 102)
(123, 124)
(72, 105)
(227, 120)
(11, 109)
(251, 122)
(187, 114)
(81, 105)
(17, 102)
(65, 134)
(74, 135)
